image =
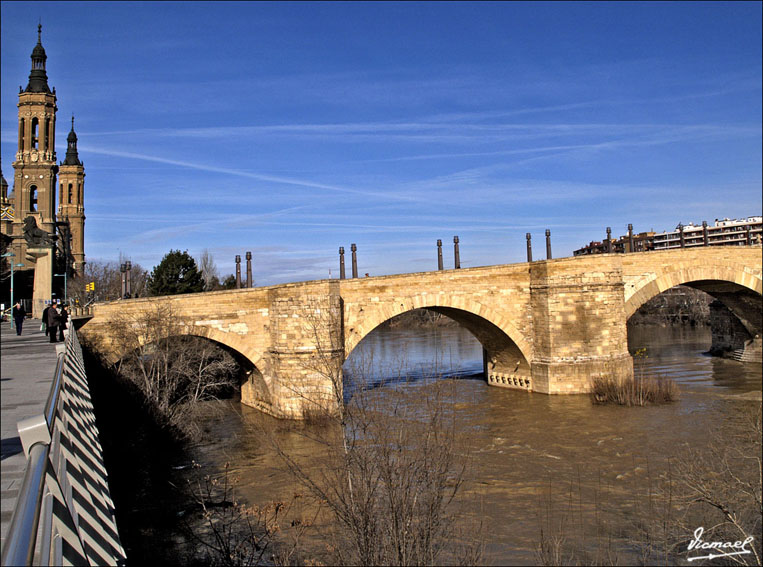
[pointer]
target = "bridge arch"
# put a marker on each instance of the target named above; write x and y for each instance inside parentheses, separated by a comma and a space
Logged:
(507, 351)
(739, 289)
(255, 386)
(256, 390)
(232, 341)
(694, 276)
(367, 319)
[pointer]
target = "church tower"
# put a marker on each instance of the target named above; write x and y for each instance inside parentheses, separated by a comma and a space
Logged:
(35, 165)
(71, 205)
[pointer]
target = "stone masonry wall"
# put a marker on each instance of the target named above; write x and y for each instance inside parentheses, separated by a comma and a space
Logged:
(580, 330)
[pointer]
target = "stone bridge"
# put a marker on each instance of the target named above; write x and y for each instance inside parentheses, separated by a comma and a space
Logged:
(548, 326)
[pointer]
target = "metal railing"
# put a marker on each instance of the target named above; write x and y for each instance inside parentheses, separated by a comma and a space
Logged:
(65, 482)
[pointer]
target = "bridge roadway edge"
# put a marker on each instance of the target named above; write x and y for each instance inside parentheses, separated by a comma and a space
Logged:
(566, 317)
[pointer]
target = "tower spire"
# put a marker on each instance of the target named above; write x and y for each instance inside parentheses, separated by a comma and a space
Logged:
(38, 78)
(72, 156)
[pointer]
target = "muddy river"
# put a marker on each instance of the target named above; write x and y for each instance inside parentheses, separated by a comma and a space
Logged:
(556, 464)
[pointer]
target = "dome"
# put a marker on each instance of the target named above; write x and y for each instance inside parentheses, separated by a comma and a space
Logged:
(39, 52)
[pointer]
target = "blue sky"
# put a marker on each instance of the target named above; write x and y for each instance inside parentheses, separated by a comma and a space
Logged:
(290, 129)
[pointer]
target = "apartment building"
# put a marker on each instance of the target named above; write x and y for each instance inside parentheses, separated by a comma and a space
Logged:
(723, 232)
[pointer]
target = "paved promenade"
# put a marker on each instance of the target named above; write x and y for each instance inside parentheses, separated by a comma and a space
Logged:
(27, 364)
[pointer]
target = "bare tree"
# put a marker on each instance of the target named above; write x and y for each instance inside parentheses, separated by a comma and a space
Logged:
(232, 533)
(208, 270)
(174, 372)
(107, 278)
(719, 486)
(393, 464)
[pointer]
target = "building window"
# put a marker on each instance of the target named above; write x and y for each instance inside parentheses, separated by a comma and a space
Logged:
(69, 199)
(47, 134)
(33, 198)
(35, 132)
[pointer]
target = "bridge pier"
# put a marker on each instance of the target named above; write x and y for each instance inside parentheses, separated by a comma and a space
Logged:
(579, 324)
(303, 367)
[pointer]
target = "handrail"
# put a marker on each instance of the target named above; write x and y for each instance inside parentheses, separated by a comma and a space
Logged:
(52, 403)
(22, 534)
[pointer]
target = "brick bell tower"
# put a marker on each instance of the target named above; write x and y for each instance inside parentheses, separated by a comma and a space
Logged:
(71, 205)
(35, 165)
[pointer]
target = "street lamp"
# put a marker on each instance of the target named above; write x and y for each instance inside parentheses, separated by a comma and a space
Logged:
(128, 278)
(17, 265)
(123, 289)
(64, 276)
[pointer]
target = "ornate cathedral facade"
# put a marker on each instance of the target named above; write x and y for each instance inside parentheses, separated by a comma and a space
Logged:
(30, 221)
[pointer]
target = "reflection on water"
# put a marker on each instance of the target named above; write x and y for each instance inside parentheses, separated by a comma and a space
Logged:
(528, 448)
(404, 355)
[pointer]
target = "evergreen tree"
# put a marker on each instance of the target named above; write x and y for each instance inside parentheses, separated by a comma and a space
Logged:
(229, 282)
(176, 273)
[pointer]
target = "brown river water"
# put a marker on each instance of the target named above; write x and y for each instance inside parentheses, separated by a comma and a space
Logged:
(557, 463)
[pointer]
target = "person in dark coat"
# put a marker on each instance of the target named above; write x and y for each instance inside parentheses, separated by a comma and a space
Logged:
(19, 313)
(64, 316)
(52, 322)
(44, 317)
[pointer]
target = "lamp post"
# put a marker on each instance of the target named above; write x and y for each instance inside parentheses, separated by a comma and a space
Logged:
(128, 280)
(64, 276)
(123, 288)
(11, 255)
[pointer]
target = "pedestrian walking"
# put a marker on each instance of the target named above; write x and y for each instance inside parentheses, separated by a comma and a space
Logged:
(19, 314)
(52, 322)
(64, 318)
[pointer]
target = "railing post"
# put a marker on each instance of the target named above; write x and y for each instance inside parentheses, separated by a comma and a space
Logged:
(630, 237)
(529, 247)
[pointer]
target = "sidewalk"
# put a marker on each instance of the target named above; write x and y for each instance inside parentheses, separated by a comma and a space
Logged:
(27, 364)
